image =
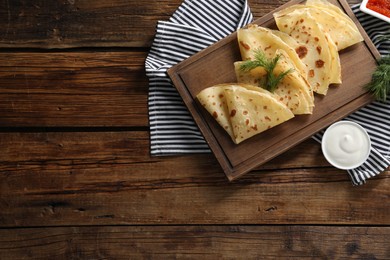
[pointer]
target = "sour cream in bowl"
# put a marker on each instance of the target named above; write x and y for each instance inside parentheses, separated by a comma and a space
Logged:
(346, 145)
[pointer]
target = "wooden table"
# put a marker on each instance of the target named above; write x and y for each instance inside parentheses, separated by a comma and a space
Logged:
(77, 180)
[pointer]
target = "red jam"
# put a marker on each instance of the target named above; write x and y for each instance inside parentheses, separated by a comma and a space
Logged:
(380, 6)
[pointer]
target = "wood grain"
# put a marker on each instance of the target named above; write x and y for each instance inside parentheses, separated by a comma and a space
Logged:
(196, 242)
(108, 178)
(73, 89)
(69, 24)
(123, 147)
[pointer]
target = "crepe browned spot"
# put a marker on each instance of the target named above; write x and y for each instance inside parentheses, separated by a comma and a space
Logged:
(233, 113)
(214, 101)
(254, 37)
(252, 112)
(341, 29)
(353, 34)
(294, 90)
(316, 50)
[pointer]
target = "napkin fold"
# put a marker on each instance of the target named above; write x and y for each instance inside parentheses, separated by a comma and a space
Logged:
(194, 26)
(197, 24)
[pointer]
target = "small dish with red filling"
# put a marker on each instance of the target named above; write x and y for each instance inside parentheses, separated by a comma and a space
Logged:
(377, 8)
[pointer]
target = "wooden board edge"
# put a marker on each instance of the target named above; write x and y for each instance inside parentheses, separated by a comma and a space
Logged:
(330, 118)
(203, 126)
(367, 40)
(233, 173)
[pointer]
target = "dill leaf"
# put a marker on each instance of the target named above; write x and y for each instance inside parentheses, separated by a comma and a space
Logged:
(260, 60)
(273, 80)
(380, 81)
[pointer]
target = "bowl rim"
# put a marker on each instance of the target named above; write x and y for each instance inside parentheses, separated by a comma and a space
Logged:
(334, 163)
(363, 8)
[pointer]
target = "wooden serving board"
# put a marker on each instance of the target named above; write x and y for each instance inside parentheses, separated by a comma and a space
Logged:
(214, 65)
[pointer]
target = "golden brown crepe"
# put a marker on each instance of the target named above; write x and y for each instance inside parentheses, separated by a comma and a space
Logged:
(341, 29)
(243, 110)
(255, 37)
(252, 112)
(340, 15)
(294, 90)
(213, 100)
(316, 50)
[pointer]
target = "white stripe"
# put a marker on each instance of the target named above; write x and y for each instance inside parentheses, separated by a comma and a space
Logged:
(162, 84)
(169, 141)
(167, 137)
(193, 145)
(173, 127)
(382, 163)
(190, 45)
(159, 110)
(170, 102)
(164, 96)
(164, 116)
(374, 165)
(365, 170)
(195, 20)
(352, 175)
(231, 17)
(174, 122)
(223, 27)
(156, 151)
(182, 131)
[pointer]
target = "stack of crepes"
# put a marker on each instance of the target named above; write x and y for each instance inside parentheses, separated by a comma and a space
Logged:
(307, 44)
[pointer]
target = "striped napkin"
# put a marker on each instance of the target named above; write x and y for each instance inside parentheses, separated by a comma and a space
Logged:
(197, 24)
(375, 117)
(194, 26)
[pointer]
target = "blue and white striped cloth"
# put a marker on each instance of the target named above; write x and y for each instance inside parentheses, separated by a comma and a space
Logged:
(197, 24)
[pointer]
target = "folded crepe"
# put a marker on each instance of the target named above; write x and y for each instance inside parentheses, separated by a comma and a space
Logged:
(294, 90)
(340, 15)
(255, 37)
(341, 29)
(317, 50)
(243, 110)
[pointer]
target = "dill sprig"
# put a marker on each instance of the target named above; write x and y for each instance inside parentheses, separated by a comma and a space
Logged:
(260, 60)
(380, 81)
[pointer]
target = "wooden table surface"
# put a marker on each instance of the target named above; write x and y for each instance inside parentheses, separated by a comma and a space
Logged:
(77, 180)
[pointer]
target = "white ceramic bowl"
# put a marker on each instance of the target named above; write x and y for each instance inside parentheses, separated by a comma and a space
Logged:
(333, 142)
(363, 8)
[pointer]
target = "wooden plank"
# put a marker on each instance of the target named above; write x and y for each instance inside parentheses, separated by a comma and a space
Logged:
(65, 24)
(108, 178)
(196, 242)
(73, 89)
(115, 147)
